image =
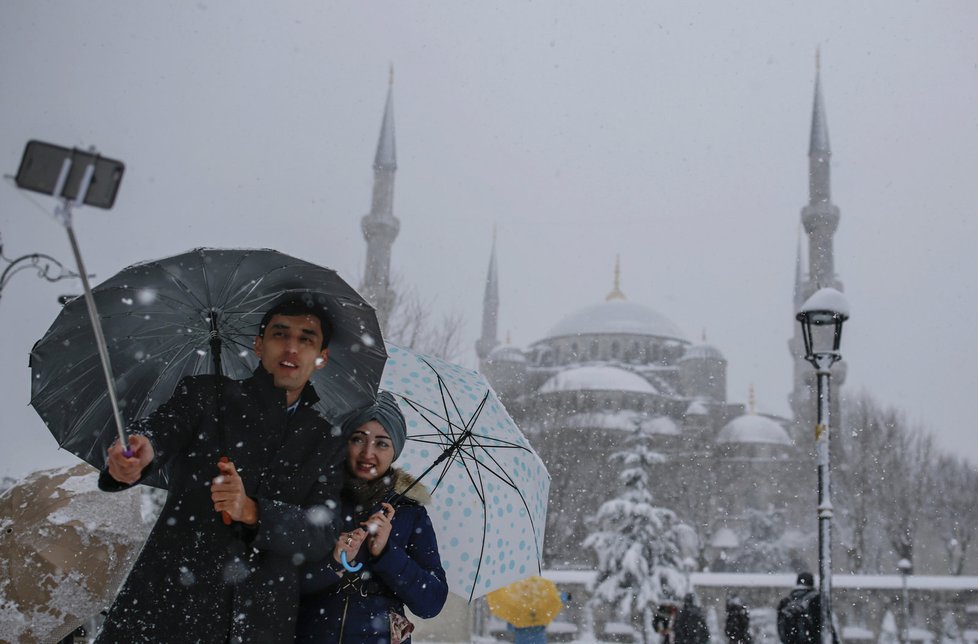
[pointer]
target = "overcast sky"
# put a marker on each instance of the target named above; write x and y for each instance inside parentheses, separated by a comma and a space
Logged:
(672, 134)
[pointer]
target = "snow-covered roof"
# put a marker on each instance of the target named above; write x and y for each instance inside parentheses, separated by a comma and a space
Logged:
(506, 353)
(702, 352)
(751, 428)
(857, 633)
(616, 316)
(660, 425)
(787, 580)
(597, 378)
(625, 420)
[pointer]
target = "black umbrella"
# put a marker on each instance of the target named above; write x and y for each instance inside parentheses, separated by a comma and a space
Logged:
(191, 314)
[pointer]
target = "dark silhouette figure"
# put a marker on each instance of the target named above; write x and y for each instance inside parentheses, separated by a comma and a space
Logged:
(737, 628)
(799, 621)
(690, 623)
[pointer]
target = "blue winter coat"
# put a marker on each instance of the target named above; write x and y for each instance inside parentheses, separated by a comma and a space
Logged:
(407, 573)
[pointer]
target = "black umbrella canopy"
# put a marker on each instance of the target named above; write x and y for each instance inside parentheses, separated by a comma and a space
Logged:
(159, 319)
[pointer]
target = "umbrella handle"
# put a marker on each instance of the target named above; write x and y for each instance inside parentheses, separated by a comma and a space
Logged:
(347, 565)
(225, 517)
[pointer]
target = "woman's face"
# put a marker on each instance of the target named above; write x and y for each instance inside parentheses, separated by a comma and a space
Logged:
(370, 451)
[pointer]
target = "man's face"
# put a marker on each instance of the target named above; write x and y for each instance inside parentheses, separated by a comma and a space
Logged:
(290, 351)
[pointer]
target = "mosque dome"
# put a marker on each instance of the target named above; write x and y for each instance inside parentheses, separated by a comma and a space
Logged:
(597, 378)
(697, 408)
(614, 317)
(506, 353)
(751, 428)
(702, 352)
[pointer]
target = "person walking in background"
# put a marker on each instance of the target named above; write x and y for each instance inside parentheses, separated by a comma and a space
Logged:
(799, 621)
(664, 621)
(690, 623)
(737, 628)
(388, 534)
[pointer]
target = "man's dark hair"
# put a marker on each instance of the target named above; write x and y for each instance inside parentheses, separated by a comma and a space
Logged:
(297, 306)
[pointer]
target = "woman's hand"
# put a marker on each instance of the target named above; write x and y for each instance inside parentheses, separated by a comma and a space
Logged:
(379, 527)
(349, 542)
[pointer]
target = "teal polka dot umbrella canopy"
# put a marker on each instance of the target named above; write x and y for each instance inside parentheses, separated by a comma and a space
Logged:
(488, 486)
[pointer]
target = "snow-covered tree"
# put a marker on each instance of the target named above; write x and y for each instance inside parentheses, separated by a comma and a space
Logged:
(769, 547)
(639, 546)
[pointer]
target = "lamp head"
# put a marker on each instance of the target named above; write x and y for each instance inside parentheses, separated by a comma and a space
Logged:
(821, 318)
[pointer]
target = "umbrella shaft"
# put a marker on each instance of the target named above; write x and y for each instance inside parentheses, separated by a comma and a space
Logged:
(97, 328)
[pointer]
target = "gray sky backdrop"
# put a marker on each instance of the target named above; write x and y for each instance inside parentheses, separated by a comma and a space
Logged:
(673, 134)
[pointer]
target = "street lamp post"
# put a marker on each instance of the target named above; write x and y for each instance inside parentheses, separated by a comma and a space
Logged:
(905, 568)
(821, 318)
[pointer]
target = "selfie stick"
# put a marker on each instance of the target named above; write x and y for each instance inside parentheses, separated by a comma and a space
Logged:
(63, 212)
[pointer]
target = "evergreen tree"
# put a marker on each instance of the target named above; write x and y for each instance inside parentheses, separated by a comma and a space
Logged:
(639, 546)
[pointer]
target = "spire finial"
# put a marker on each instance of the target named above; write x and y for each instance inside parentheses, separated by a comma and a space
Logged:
(509, 339)
(750, 400)
(818, 59)
(704, 335)
(616, 293)
(390, 80)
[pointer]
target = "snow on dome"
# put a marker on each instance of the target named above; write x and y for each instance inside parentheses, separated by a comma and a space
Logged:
(697, 408)
(616, 316)
(506, 353)
(702, 352)
(751, 428)
(600, 378)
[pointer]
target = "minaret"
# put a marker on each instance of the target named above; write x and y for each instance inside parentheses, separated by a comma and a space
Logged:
(820, 219)
(380, 226)
(616, 292)
(490, 308)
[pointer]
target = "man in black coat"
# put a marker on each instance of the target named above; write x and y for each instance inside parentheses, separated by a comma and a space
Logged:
(799, 614)
(223, 559)
(690, 624)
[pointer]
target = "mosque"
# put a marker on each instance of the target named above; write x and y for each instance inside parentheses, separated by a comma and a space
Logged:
(615, 367)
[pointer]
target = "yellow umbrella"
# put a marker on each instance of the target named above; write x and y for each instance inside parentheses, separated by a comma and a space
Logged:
(533, 601)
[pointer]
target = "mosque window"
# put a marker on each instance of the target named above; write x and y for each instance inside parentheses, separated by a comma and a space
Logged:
(594, 350)
(615, 349)
(632, 354)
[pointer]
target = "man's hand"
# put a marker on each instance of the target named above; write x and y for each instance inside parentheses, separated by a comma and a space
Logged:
(228, 495)
(128, 469)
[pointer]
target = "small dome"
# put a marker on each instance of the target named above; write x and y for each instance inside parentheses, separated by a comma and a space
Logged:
(702, 352)
(597, 379)
(697, 408)
(751, 428)
(616, 316)
(506, 353)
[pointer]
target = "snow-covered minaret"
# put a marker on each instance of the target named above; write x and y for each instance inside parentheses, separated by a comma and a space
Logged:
(820, 219)
(380, 226)
(490, 308)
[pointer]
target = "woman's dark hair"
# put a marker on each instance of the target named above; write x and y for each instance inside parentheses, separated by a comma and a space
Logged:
(296, 306)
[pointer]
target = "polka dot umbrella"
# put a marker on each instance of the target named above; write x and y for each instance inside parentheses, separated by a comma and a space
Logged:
(489, 488)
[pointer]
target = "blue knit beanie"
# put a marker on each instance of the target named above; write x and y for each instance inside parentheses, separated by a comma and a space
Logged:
(386, 412)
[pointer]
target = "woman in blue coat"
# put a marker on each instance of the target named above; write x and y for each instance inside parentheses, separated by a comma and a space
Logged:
(390, 534)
